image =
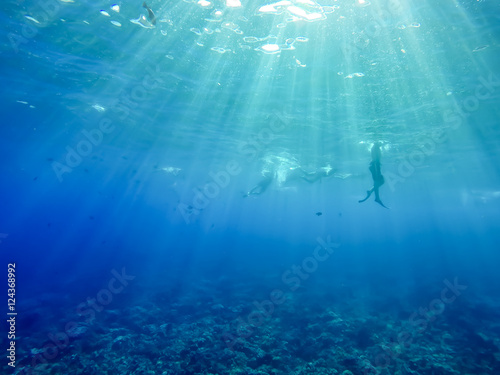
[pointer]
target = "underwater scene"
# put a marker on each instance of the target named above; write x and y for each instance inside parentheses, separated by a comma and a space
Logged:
(250, 187)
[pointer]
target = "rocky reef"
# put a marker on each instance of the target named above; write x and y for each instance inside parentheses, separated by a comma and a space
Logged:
(208, 330)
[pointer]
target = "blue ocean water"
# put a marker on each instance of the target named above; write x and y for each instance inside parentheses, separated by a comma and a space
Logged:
(181, 184)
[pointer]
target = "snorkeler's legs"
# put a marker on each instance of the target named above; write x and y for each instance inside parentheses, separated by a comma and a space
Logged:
(256, 190)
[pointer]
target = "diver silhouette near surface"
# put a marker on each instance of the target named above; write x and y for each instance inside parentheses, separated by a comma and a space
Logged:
(378, 179)
(262, 185)
(293, 174)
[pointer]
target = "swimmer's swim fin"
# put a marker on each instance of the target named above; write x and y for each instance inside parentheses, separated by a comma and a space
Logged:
(380, 202)
(368, 193)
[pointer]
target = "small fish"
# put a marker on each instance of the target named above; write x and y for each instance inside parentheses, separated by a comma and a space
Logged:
(151, 15)
(319, 213)
(480, 48)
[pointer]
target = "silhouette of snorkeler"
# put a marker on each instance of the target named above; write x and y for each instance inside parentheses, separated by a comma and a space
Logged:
(378, 179)
(317, 175)
(292, 175)
(262, 185)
